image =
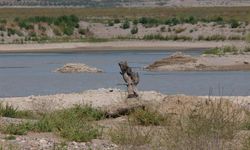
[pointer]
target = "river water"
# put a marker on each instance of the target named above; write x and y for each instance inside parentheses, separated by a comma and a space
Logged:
(24, 74)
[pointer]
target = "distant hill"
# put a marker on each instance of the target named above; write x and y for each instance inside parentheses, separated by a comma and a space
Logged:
(123, 3)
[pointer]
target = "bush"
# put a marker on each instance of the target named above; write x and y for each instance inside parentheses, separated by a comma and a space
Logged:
(172, 21)
(11, 31)
(135, 22)
(149, 22)
(143, 20)
(234, 23)
(222, 50)
(10, 111)
(73, 124)
(110, 23)
(191, 20)
(134, 30)
(25, 24)
(68, 30)
(66, 23)
(116, 21)
(126, 24)
(170, 37)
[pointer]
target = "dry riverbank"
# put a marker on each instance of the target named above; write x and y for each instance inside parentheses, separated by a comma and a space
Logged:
(104, 99)
(114, 45)
(137, 126)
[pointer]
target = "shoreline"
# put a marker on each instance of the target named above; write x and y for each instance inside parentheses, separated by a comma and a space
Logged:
(102, 98)
(112, 45)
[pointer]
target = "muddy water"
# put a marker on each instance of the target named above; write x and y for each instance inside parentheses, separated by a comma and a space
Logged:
(23, 74)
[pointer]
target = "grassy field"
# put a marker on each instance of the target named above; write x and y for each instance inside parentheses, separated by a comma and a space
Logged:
(238, 13)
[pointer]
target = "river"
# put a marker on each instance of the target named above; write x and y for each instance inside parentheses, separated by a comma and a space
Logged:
(24, 74)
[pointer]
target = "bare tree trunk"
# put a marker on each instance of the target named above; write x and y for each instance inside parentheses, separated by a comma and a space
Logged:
(131, 78)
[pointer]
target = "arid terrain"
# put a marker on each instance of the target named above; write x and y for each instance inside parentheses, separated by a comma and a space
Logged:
(124, 3)
(123, 116)
(216, 33)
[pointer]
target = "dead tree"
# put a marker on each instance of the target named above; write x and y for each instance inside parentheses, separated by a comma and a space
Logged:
(131, 78)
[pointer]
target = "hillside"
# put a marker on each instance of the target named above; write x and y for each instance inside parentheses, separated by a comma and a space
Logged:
(124, 3)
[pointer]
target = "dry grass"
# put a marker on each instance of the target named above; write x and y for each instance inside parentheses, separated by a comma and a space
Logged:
(211, 125)
(237, 13)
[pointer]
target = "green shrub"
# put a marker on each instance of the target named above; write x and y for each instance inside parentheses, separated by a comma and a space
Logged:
(68, 30)
(167, 38)
(134, 30)
(66, 23)
(149, 22)
(126, 24)
(11, 31)
(110, 23)
(25, 24)
(172, 21)
(143, 20)
(116, 21)
(234, 23)
(135, 22)
(9, 111)
(222, 50)
(73, 124)
(191, 20)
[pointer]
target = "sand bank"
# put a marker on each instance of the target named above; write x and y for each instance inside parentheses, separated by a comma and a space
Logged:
(113, 45)
(181, 62)
(77, 68)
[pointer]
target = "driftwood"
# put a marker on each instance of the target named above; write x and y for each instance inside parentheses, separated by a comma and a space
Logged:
(131, 78)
